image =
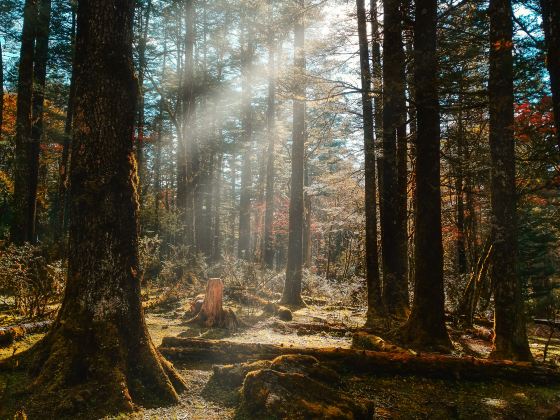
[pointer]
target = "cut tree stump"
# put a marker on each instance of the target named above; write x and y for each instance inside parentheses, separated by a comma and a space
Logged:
(363, 361)
(212, 313)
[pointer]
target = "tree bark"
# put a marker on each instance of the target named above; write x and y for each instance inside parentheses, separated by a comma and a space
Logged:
(294, 266)
(425, 327)
(395, 288)
(24, 202)
(510, 341)
(98, 357)
(551, 26)
(373, 281)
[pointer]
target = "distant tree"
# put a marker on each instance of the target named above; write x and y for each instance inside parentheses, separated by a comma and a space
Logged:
(99, 346)
(510, 340)
(551, 25)
(268, 236)
(426, 324)
(375, 304)
(294, 268)
(1, 91)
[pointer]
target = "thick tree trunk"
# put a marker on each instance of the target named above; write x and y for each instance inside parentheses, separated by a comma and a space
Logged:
(551, 26)
(426, 325)
(98, 357)
(292, 286)
(373, 281)
(510, 341)
(24, 202)
(395, 288)
(268, 236)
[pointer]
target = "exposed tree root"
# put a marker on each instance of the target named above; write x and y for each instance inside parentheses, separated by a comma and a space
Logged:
(429, 365)
(94, 371)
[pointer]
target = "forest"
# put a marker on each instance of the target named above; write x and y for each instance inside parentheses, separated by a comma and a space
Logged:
(297, 209)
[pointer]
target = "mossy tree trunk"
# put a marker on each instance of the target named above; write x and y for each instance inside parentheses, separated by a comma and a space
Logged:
(98, 357)
(510, 341)
(426, 324)
(294, 266)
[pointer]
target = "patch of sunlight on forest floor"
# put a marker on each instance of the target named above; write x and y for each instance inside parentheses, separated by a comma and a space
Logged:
(395, 397)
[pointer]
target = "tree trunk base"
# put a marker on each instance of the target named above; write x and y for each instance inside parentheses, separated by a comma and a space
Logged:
(96, 371)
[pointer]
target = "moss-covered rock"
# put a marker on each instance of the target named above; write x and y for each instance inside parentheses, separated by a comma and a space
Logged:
(267, 393)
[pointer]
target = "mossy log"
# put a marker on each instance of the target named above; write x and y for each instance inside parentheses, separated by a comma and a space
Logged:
(302, 328)
(16, 332)
(549, 322)
(364, 361)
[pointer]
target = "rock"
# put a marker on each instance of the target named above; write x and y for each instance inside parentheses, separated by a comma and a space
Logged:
(284, 314)
(233, 375)
(306, 365)
(267, 393)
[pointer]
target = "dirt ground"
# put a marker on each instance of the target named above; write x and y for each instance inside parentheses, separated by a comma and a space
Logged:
(394, 397)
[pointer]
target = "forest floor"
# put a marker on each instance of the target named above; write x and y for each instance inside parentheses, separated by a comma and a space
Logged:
(395, 397)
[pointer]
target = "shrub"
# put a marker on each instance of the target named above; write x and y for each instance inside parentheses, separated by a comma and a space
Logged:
(31, 283)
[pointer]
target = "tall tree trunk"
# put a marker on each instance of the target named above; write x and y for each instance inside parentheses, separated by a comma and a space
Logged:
(510, 341)
(426, 325)
(190, 163)
(144, 25)
(99, 344)
(373, 281)
(292, 286)
(551, 26)
(395, 288)
(459, 182)
(268, 235)
(307, 239)
(245, 194)
(38, 101)
(24, 203)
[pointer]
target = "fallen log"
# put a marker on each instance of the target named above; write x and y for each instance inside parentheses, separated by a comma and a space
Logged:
(363, 361)
(302, 328)
(549, 322)
(16, 332)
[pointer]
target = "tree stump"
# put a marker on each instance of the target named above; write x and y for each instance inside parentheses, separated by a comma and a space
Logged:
(212, 313)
